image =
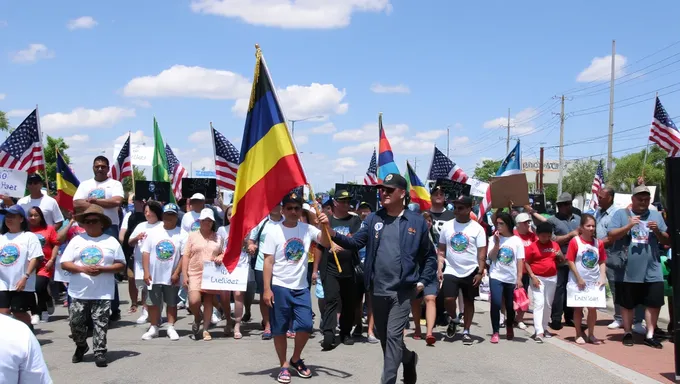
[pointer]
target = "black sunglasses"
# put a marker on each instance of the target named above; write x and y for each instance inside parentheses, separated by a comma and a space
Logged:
(386, 190)
(91, 221)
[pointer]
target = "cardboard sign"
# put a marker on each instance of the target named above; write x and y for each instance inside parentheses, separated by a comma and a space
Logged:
(152, 190)
(592, 296)
(217, 278)
(537, 202)
(206, 186)
(452, 189)
(359, 193)
(507, 189)
(12, 182)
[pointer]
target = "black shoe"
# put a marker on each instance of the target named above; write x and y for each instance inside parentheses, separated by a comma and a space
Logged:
(467, 340)
(115, 316)
(347, 340)
(556, 325)
(661, 334)
(628, 340)
(246, 317)
(100, 360)
(654, 343)
(80, 352)
(569, 323)
(410, 373)
(328, 342)
(451, 329)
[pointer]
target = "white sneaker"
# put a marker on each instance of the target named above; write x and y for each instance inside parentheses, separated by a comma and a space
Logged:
(144, 317)
(35, 319)
(181, 305)
(152, 333)
(172, 334)
(614, 325)
(521, 325)
(44, 317)
(214, 319)
(639, 329)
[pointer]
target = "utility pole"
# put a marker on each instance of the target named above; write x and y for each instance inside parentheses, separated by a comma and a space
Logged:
(611, 109)
(507, 140)
(540, 173)
(559, 182)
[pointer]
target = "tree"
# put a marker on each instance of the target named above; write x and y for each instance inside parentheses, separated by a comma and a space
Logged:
(550, 192)
(352, 182)
(487, 170)
(51, 156)
(580, 177)
(4, 124)
(138, 175)
(331, 192)
(629, 168)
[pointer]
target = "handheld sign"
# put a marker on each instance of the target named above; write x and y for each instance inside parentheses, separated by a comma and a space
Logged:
(593, 296)
(507, 189)
(205, 186)
(537, 201)
(152, 190)
(452, 189)
(12, 182)
(217, 277)
(361, 193)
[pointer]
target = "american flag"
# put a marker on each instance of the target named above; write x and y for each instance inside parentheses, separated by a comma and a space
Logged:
(598, 183)
(122, 167)
(23, 148)
(176, 172)
(371, 177)
(664, 133)
(227, 159)
(443, 168)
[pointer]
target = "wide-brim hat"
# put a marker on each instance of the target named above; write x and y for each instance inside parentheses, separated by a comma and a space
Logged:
(94, 210)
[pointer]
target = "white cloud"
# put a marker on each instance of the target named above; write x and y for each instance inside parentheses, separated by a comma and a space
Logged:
(344, 164)
(183, 81)
(33, 53)
(77, 139)
(460, 140)
(380, 88)
(300, 102)
(2, 96)
(141, 103)
(600, 69)
(199, 137)
(369, 132)
(458, 126)
(309, 14)
(522, 123)
(136, 137)
(431, 135)
(85, 118)
(84, 22)
(323, 129)
(18, 113)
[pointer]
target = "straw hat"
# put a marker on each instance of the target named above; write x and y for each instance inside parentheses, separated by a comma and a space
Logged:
(95, 210)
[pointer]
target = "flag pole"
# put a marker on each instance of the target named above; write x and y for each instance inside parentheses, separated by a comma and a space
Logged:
(644, 161)
(37, 119)
(132, 165)
(212, 137)
(325, 227)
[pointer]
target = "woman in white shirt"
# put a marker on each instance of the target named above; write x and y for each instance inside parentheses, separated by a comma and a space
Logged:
(506, 253)
(20, 254)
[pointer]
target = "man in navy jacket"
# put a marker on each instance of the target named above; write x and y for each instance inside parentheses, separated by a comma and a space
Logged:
(400, 262)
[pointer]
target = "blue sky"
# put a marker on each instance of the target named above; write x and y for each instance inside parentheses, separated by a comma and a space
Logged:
(98, 70)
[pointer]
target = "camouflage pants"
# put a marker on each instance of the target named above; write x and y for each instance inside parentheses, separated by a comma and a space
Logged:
(81, 312)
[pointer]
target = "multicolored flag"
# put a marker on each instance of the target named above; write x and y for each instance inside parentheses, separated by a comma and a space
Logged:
(510, 166)
(269, 166)
(122, 167)
(23, 148)
(386, 163)
(443, 168)
(67, 184)
(160, 161)
(226, 161)
(371, 177)
(664, 133)
(417, 190)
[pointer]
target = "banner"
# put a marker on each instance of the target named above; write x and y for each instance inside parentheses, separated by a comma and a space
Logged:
(12, 182)
(142, 155)
(593, 296)
(361, 193)
(452, 189)
(477, 187)
(217, 278)
(152, 190)
(205, 186)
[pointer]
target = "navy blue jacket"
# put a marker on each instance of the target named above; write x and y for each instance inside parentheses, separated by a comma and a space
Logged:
(418, 256)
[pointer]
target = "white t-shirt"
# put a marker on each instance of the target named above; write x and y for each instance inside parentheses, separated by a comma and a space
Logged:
(146, 228)
(104, 190)
(16, 252)
(47, 204)
(60, 274)
(86, 250)
(21, 360)
(504, 268)
(126, 219)
(290, 247)
(268, 223)
(223, 232)
(164, 248)
(462, 242)
(190, 222)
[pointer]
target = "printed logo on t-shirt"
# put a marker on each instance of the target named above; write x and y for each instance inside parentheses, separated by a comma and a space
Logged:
(589, 259)
(164, 250)
(41, 238)
(97, 193)
(9, 254)
(196, 225)
(343, 230)
(506, 255)
(92, 255)
(294, 250)
(459, 242)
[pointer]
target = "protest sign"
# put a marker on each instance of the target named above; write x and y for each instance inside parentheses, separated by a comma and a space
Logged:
(509, 189)
(477, 187)
(152, 190)
(12, 182)
(361, 193)
(593, 296)
(537, 201)
(205, 186)
(452, 189)
(142, 155)
(217, 277)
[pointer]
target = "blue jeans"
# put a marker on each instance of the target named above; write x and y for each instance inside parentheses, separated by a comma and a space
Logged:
(501, 293)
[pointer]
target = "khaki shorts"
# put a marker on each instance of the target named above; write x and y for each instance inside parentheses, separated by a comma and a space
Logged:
(159, 294)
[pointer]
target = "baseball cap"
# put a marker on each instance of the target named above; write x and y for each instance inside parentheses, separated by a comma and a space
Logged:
(522, 218)
(641, 189)
(292, 197)
(564, 198)
(394, 180)
(342, 195)
(197, 196)
(13, 210)
(463, 200)
(306, 207)
(34, 177)
(171, 208)
(365, 204)
(207, 213)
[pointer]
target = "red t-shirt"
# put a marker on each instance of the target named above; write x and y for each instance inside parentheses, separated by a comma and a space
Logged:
(541, 258)
(74, 231)
(573, 249)
(48, 239)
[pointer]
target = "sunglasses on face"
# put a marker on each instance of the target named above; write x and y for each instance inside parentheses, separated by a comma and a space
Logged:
(91, 221)
(386, 190)
(35, 182)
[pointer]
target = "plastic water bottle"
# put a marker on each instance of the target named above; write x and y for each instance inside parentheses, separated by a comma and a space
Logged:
(319, 289)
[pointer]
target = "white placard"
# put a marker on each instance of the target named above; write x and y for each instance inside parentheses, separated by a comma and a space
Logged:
(593, 296)
(477, 188)
(142, 155)
(217, 278)
(12, 182)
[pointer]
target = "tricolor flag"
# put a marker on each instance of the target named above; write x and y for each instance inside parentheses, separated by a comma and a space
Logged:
(417, 190)
(510, 166)
(386, 163)
(67, 183)
(122, 166)
(269, 166)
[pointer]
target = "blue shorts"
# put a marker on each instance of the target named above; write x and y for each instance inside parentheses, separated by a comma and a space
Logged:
(430, 290)
(291, 305)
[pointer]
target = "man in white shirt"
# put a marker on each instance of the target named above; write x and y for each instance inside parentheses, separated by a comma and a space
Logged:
(36, 198)
(190, 221)
(21, 360)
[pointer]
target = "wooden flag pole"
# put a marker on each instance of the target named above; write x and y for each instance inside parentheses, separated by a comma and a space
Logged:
(325, 229)
(37, 117)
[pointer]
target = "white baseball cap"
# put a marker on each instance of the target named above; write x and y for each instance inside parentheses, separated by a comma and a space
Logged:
(197, 196)
(207, 213)
(522, 218)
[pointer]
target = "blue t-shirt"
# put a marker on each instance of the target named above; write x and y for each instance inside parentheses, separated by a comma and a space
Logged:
(639, 247)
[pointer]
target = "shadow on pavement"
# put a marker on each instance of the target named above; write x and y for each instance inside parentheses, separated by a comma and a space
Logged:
(117, 355)
(316, 370)
(44, 342)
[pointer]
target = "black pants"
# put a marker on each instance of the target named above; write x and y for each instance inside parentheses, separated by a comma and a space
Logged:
(391, 315)
(559, 305)
(338, 290)
(41, 290)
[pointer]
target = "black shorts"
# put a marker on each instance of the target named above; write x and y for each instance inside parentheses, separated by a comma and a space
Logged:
(453, 284)
(630, 295)
(259, 282)
(17, 301)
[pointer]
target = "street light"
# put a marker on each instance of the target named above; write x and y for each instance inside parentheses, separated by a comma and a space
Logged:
(292, 123)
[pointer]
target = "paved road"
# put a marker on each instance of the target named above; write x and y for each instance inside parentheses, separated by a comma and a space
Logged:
(253, 361)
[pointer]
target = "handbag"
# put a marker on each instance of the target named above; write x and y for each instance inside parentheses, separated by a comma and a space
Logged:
(521, 300)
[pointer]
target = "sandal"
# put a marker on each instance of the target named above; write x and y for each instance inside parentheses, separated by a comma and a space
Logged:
(284, 376)
(594, 340)
(301, 368)
(430, 340)
(417, 336)
(267, 334)
(237, 334)
(195, 328)
(290, 334)
(580, 341)
(206, 336)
